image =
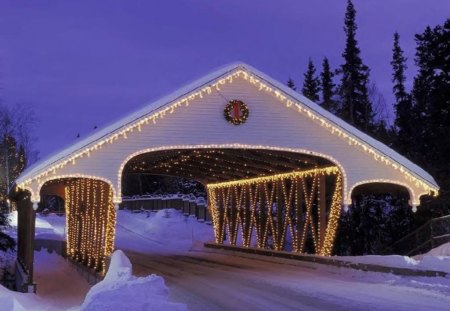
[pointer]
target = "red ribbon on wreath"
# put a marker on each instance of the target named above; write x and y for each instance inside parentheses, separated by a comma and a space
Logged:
(236, 110)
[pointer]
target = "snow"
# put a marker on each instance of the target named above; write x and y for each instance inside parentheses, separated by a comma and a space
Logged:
(49, 226)
(120, 290)
(51, 271)
(115, 127)
(9, 300)
(168, 229)
(169, 244)
(440, 251)
(438, 259)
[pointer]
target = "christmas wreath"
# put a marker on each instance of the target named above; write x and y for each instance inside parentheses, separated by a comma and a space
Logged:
(236, 112)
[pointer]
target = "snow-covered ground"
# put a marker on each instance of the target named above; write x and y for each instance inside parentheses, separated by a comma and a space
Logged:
(170, 245)
(120, 290)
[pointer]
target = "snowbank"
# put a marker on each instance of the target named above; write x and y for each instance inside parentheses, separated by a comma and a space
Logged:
(120, 290)
(440, 251)
(14, 301)
(438, 259)
(8, 300)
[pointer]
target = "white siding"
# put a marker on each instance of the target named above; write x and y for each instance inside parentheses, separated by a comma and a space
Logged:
(270, 123)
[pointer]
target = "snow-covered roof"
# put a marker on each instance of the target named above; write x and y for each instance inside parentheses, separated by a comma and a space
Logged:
(151, 108)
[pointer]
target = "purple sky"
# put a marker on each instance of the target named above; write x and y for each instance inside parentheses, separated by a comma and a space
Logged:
(87, 63)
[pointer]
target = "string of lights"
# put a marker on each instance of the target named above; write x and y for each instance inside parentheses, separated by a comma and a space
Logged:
(276, 204)
(90, 221)
(240, 73)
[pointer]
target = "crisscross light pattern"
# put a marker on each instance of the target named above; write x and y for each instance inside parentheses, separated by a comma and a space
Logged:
(268, 208)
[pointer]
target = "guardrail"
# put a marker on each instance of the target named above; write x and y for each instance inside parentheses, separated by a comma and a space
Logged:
(433, 233)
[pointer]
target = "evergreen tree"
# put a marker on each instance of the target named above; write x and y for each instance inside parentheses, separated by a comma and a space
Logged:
(372, 224)
(399, 67)
(328, 87)
(431, 109)
(403, 104)
(311, 83)
(355, 105)
(290, 83)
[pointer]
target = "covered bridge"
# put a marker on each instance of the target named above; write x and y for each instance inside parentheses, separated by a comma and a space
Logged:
(275, 165)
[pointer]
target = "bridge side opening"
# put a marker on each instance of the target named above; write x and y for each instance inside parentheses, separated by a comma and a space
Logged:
(257, 198)
(380, 215)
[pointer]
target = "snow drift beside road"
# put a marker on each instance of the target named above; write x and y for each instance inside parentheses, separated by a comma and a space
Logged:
(9, 301)
(438, 259)
(120, 290)
(440, 251)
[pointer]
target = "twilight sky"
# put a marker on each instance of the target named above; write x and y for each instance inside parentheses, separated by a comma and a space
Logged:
(86, 63)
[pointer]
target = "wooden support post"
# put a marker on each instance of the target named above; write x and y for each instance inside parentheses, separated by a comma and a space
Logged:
(298, 214)
(322, 210)
(220, 193)
(25, 248)
(262, 216)
(280, 219)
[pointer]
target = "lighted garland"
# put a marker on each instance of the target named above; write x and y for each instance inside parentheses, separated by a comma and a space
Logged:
(90, 221)
(237, 205)
(26, 182)
(236, 106)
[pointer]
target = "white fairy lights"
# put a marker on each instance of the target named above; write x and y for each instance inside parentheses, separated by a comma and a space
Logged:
(239, 72)
(230, 146)
(414, 197)
(90, 221)
(270, 205)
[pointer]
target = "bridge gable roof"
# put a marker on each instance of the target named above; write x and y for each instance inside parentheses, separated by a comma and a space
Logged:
(201, 87)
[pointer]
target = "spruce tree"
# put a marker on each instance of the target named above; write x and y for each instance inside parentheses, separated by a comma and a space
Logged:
(403, 104)
(328, 87)
(399, 67)
(290, 83)
(355, 104)
(431, 109)
(311, 83)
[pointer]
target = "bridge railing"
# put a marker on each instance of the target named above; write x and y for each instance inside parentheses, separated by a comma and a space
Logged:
(59, 247)
(433, 233)
(188, 204)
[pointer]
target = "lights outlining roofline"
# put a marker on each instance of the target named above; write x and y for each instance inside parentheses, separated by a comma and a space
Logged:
(239, 72)
(36, 197)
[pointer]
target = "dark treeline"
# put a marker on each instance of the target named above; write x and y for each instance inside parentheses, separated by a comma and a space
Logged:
(421, 131)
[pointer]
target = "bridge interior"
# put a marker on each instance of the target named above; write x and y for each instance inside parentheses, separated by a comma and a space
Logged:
(259, 198)
(219, 165)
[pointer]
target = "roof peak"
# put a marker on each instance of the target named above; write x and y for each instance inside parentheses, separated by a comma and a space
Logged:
(210, 81)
